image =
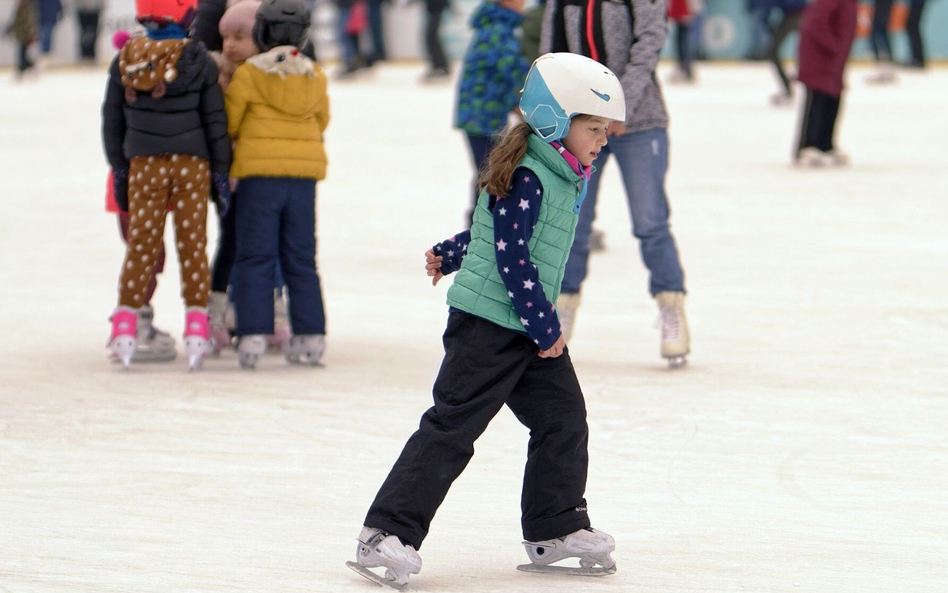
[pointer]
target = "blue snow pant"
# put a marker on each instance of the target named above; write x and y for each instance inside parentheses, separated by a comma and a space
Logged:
(643, 161)
(276, 221)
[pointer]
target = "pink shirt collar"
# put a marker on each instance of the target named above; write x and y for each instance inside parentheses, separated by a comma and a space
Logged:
(572, 161)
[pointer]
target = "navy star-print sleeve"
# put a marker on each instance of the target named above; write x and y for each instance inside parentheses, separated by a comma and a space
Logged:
(453, 249)
(514, 219)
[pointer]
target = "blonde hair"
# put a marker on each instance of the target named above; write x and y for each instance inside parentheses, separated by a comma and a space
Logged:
(505, 157)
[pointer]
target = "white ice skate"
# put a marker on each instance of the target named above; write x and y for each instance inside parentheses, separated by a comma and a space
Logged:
(124, 331)
(249, 349)
(378, 549)
(196, 336)
(593, 548)
(154, 345)
(676, 341)
(216, 308)
(305, 349)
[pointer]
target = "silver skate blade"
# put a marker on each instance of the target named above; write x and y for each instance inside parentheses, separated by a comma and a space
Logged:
(575, 571)
(378, 580)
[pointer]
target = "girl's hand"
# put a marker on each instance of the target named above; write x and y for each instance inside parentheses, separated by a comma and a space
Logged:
(433, 266)
(555, 350)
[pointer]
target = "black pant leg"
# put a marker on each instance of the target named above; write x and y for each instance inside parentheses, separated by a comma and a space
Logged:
(830, 111)
(23, 62)
(880, 30)
(433, 35)
(88, 33)
(913, 30)
(482, 365)
(226, 248)
(549, 401)
(788, 24)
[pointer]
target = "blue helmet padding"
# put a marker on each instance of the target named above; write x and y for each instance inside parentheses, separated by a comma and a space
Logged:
(541, 110)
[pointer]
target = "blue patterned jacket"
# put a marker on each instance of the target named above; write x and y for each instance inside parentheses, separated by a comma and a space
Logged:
(493, 71)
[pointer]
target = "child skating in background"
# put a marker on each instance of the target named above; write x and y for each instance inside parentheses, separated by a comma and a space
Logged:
(503, 343)
(278, 109)
(153, 345)
(236, 29)
(23, 27)
(165, 135)
(826, 38)
(492, 75)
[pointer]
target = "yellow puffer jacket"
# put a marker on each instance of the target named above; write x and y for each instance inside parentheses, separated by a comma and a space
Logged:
(277, 111)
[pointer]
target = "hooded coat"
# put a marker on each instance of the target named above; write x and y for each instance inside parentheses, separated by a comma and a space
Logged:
(184, 114)
(278, 109)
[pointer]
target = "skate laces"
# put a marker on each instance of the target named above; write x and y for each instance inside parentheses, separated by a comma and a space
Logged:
(669, 318)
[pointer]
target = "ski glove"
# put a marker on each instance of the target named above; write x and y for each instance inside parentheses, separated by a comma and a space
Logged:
(220, 191)
(120, 188)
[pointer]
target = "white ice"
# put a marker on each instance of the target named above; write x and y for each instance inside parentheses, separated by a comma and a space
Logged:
(803, 449)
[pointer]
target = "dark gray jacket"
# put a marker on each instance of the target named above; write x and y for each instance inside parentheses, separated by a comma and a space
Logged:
(188, 119)
(616, 23)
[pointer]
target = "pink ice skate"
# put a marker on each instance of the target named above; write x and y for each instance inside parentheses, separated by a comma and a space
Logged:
(124, 334)
(196, 336)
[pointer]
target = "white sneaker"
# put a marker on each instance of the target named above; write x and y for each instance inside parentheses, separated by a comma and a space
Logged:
(592, 547)
(676, 341)
(378, 549)
(567, 304)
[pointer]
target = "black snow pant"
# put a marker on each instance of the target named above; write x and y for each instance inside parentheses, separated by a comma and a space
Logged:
(819, 121)
(788, 24)
(486, 366)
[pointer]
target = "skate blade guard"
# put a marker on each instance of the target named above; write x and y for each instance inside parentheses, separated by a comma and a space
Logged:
(375, 578)
(574, 571)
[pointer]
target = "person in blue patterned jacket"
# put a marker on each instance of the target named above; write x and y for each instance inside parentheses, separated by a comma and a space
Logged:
(491, 78)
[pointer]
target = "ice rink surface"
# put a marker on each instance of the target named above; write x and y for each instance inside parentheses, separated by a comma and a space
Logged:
(803, 449)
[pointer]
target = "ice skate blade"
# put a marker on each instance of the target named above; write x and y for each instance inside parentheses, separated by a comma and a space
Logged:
(575, 571)
(676, 362)
(378, 580)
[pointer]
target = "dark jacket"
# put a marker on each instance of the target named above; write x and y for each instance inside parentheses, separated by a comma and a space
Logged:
(189, 118)
(206, 23)
(826, 38)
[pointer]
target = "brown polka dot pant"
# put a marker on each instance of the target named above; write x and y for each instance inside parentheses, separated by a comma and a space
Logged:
(153, 183)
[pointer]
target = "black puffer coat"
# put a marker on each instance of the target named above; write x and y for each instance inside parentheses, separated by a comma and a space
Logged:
(188, 119)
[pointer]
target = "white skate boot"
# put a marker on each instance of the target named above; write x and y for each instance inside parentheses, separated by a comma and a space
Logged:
(378, 549)
(197, 344)
(216, 307)
(305, 349)
(124, 331)
(567, 304)
(154, 345)
(281, 322)
(676, 341)
(593, 548)
(249, 349)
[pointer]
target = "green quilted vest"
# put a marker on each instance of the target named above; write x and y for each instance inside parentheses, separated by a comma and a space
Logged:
(478, 288)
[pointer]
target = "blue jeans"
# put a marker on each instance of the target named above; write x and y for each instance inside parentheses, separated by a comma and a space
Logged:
(46, 36)
(643, 161)
(276, 221)
(347, 42)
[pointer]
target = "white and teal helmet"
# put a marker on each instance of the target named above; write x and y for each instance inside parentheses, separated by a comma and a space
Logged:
(562, 85)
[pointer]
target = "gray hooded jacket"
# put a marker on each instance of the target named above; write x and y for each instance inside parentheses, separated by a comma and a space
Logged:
(627, 36)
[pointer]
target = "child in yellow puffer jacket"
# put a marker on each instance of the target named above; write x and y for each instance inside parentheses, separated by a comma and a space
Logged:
(277, 111)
